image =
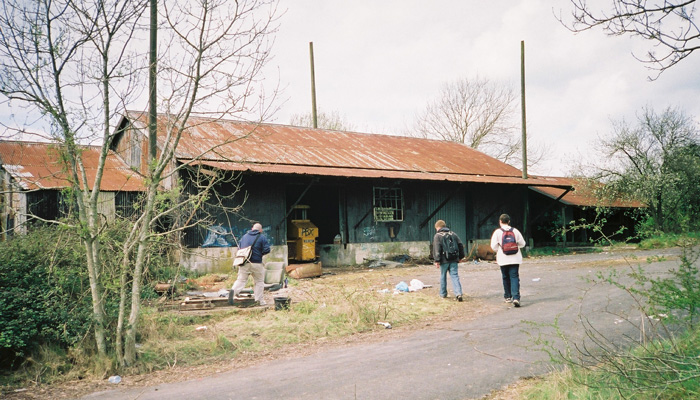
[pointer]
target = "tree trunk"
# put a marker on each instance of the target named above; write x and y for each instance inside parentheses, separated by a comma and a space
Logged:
(142, 247)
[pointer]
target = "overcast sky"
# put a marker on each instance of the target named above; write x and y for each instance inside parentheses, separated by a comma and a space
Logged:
(378, 63)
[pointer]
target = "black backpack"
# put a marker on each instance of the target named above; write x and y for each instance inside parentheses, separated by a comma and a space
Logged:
(450, 247)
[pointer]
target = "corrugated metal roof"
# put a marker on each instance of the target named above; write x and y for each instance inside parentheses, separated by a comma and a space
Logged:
(36, 166)
(271, 148)
(581, 196)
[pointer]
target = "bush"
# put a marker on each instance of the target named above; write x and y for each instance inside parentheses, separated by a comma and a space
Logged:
(45, 294)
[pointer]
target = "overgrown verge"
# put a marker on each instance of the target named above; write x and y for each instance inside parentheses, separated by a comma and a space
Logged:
(46, 318)
(665, 363)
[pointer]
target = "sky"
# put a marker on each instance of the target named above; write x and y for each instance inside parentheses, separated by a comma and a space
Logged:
(378, 63)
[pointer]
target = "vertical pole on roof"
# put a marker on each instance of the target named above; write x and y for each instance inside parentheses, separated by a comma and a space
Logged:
(313, 86)
(526, 210)
(152, 116)
(522, 104)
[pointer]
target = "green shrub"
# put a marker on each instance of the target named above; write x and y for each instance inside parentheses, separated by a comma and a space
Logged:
(45, 294)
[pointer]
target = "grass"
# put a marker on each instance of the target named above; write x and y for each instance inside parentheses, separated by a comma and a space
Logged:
(669, 240)
(325, 309)
(656, 371)
(558, 251)
(666, 368)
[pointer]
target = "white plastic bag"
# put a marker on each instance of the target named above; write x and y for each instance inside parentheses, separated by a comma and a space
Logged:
(416, 285)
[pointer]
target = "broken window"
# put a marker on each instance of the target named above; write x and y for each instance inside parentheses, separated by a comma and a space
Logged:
(388, 204)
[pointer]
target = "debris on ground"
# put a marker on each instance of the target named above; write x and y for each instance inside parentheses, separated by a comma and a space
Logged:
(385, 324)
(414, 286)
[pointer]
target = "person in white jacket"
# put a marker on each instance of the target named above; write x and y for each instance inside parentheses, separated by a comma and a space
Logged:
(509, 263)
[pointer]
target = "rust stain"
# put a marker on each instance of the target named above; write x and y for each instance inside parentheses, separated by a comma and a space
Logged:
(581, 196)
(272, 148)
(36, 165)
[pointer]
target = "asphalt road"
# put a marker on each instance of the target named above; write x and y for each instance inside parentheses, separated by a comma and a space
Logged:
(465, 360)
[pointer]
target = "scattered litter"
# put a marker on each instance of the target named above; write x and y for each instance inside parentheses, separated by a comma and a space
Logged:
(619, 321)
(114, 379)
(201, 328)
(20, 390)
(402, 287)
(404, 258)
(381, 263)
(376, 264)
(415, 285)
(536, 280)
(383, 290)
(385, 324)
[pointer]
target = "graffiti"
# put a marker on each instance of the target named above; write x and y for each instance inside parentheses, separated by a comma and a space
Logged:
(228, 236)
(370, 233)
(305, 232)
(218, 236)
(267, 230)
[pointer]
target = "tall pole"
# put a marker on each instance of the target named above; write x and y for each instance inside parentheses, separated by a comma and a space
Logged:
(313, 86)
(152, 70)
(522, 103)
(526, 200)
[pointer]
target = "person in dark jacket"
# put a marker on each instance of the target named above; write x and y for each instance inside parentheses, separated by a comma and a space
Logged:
(254, 266)
(446, 265)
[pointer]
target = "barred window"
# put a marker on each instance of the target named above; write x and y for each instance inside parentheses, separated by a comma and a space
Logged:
(388, 204)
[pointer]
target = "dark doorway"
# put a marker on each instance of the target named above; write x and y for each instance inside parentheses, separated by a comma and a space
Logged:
(323, 211)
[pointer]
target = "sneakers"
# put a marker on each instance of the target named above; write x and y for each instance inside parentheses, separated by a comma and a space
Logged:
(508, 300)
(516, 303)
(459, 298)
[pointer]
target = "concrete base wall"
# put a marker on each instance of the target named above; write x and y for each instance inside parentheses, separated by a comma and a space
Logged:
(336, 255)
(220, 259)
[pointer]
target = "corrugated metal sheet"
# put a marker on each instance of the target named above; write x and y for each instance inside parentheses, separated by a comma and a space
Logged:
(36, 166)
(270, 148)
(453, 213)
(582, 196)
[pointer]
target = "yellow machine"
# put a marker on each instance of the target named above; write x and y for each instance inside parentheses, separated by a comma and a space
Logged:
(301, 235)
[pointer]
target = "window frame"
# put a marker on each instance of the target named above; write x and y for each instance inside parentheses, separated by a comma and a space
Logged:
(387, 204)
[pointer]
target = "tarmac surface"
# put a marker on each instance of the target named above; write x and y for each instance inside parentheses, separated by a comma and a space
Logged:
(460, 360)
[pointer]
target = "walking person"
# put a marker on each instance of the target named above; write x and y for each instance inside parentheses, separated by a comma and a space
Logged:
(507, 241)
(447, 250)
(254, 266)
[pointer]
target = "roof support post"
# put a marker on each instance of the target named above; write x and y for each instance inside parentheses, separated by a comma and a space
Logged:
(566, 191)
(301, 196)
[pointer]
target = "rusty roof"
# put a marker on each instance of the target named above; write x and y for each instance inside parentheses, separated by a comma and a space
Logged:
(36, 166)
(272, 148)
(583, 194)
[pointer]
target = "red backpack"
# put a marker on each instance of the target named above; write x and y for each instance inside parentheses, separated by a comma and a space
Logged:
(508, 243)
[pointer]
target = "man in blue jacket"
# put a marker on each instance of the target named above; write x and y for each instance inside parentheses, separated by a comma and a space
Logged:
(254, 266)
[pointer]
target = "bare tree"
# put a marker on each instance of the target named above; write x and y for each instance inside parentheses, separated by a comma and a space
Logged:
(76, 62)
(478, 113)
(215, 53)
(656, 161)
(71, 62)
(670, 25)
(326, 120)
